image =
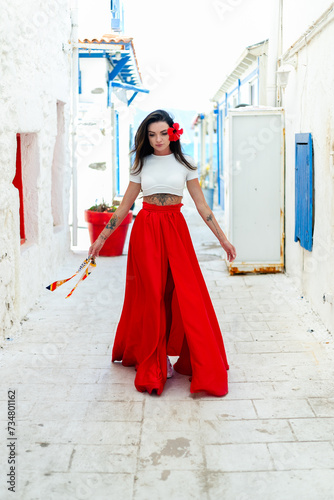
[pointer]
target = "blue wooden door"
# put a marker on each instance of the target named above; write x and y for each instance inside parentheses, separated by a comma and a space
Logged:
(304, 191)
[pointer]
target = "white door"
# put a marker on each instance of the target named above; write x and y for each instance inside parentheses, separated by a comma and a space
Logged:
(255, 188)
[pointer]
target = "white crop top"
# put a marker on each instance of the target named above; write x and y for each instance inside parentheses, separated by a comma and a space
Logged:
(164, 174)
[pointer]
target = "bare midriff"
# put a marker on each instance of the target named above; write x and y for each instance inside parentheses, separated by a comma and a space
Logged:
(163, 199)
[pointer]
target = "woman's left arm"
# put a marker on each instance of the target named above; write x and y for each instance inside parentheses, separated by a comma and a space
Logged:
(205, 212)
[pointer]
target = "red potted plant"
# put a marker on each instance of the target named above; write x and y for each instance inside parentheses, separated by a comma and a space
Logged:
(97, 217)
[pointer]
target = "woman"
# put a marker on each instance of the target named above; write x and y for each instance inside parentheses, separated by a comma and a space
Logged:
(167, 309)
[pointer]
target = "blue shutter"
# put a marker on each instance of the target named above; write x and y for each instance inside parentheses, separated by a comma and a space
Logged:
(304, 191)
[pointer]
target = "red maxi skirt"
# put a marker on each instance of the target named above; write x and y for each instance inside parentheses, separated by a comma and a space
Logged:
(167, 308)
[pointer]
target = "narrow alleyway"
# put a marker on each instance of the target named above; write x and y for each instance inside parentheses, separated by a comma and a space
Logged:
(85, 432)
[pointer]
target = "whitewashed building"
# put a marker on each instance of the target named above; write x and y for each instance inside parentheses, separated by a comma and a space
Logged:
(109, 81)
(298, 77)
(245, 85)
(307, 86)
(34, 158)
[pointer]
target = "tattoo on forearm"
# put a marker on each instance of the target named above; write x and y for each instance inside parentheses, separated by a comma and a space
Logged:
(112, 223)
(103, 237)
(209, 218)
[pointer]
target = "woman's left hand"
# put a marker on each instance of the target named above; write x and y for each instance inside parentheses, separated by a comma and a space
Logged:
(230, 250)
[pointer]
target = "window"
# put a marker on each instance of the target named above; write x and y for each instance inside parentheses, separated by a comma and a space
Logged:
(304, 216)
(27, 172)
(19, 186)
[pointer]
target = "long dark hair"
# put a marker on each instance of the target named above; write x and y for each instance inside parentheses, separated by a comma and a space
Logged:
(143, 148)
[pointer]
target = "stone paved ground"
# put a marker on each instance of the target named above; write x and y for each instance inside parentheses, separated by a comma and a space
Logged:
(84, 431)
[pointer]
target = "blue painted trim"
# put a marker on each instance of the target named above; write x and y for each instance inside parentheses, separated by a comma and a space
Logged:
(132, 98)
(258, 80)
(216, 111)
(237, 88)
(79, 78)
(222, 166)
(87, 54)
(127, 86)
(251, 75)
(117, 152)
(232, 92)
(119, 66)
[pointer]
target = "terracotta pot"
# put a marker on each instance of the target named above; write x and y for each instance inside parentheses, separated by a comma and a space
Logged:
(96, 223)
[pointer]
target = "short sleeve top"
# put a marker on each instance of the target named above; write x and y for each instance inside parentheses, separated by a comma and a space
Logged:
(164, 174)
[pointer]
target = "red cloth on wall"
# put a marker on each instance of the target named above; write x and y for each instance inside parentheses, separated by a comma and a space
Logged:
(167, 308)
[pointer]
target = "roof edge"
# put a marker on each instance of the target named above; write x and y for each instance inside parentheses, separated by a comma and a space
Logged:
(252, 51)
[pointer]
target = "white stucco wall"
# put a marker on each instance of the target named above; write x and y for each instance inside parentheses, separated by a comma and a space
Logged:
(308, 101)
(298, 15)
(126, 119)
(35, 76)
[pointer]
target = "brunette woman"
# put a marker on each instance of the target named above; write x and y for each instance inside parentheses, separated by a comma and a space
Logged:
(167, 309)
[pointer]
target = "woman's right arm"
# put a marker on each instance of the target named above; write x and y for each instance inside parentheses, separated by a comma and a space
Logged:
(118, 216)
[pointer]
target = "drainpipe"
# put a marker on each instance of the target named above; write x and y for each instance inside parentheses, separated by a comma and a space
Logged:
(74, 117)
(275, 51)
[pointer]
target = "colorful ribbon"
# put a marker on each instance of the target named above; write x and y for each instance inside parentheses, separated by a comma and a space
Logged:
(91, 264)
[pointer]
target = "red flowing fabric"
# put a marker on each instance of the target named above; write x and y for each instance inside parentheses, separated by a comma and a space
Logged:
(167, 308)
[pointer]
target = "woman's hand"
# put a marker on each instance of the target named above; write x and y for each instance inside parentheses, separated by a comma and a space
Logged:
(229, 249)
(206, 213)
(116, 218)
(95, 248)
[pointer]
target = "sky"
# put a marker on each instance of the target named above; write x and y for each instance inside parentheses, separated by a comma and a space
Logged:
(184, 49)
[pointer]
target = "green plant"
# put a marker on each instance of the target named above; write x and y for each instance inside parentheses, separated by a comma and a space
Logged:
(103, 207)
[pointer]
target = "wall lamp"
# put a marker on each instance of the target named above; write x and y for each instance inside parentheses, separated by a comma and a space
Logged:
(283, 74)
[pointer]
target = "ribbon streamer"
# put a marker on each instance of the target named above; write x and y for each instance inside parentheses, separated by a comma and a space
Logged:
(89, 262)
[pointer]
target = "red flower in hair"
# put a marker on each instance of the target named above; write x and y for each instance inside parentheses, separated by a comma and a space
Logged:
(175, 132)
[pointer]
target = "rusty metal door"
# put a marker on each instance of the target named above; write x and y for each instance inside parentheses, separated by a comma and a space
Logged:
(254, 188)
